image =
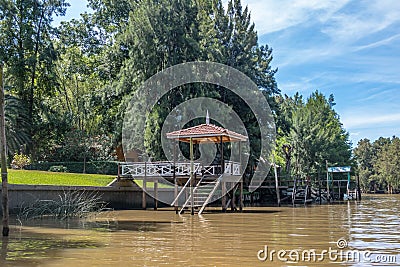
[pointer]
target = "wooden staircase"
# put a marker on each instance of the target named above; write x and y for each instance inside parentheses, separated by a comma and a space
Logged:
(203, 194)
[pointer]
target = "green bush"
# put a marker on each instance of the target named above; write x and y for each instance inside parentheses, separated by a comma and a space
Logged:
(58, 168)
(92, 167)
(20, 161)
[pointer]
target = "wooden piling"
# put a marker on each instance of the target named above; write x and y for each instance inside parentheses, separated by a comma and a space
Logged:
(223, 184)
(191, 177)
(241, 194)
(233, 206)
(175, 180)
(119, 172)
(144, 187)
(278, 196)
(156, 194)
(241, 177)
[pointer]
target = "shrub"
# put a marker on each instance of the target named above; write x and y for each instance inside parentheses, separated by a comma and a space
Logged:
(59, 168)
(92, 167)
(20, 161)
(70, 204)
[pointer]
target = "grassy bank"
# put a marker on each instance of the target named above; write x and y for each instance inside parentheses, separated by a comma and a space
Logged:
(57, 178)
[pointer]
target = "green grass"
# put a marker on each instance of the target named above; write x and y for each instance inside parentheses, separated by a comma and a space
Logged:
(57, 178)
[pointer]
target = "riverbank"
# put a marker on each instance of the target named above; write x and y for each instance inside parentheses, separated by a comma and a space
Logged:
(116, 197)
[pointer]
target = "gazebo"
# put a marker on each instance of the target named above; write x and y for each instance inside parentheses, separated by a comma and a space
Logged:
(205, 182)
(210, 133)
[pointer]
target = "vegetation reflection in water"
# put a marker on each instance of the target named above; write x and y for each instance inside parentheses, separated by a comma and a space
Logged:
(26, 248)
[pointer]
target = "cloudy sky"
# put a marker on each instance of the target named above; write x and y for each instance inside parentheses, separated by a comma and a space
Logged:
(348, 48)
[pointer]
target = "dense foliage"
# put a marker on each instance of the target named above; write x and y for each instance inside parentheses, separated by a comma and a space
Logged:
(379, 164)
(310, 135)
(68, 86)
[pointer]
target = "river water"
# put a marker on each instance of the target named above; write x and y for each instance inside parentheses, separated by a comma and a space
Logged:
(352, 234)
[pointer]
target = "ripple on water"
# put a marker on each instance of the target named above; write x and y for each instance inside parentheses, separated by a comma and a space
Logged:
(149, 238)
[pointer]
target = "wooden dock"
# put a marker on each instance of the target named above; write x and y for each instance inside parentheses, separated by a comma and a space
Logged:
(209, 182)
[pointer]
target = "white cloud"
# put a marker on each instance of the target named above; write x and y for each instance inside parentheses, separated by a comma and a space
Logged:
(368, 120)
(355, 134)
(378, 43)
(271, 15)
(352, 26)
(300, 56)
(357, 20)
(379, 94)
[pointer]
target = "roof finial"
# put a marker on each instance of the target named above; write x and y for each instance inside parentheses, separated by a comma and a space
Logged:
(207, 118)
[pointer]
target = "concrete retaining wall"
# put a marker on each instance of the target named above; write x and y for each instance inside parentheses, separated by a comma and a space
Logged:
(117, 197)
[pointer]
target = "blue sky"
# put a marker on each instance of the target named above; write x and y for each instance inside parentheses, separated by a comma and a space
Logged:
(348, 48)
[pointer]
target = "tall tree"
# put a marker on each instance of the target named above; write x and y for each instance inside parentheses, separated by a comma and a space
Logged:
(27, 50)
(387, 164)
(364, 155)
(315, 133)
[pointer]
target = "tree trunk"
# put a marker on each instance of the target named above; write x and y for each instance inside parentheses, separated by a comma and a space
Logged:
(33, 77)
(4, 184)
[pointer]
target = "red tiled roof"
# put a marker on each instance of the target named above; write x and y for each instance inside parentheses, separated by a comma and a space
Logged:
(206, 133)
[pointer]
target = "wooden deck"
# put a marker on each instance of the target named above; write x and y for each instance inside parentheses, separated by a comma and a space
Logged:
(166, 169)
(204, 185)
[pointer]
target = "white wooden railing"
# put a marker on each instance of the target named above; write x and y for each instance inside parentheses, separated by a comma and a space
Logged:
(165, 169)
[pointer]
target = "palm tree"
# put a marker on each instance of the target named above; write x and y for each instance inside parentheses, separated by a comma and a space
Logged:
(16, 116)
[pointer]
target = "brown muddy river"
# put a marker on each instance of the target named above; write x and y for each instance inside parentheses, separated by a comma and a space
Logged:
(368, 233)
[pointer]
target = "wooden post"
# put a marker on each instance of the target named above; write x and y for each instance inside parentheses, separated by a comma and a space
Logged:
(191, 177)
(241, 194)
(278, 196)
(144, 187)
(327, 183)
(233, 207)
(118, 172)
(223, 185)
(3, 151)
(319, 188)
(222, 157)
(175, 181)
(358, 188)
(156, 194)
(241, 177)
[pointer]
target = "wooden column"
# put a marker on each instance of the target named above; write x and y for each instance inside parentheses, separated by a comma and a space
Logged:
(144, 187)
(241, 177)
(223, 184)
(175, 181)
(278, 196)
(358, 188)
(119, 172)
(327, 183)
(191, 177)
(241, 194)
(233, 205)
(319, 189)
(156, 194)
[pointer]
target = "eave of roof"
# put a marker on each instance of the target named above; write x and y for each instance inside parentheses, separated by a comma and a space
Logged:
(206, 133)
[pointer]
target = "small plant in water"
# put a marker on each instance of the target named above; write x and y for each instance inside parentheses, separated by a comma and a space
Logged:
(71, 204)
